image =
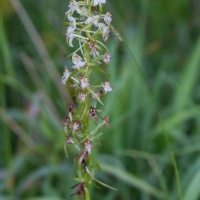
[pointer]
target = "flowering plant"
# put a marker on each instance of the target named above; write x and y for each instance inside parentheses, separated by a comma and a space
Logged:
(90, 28)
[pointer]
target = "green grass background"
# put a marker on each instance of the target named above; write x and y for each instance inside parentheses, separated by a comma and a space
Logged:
(164, 36)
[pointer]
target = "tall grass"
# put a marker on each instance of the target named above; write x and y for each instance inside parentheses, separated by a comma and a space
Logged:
(164, 38)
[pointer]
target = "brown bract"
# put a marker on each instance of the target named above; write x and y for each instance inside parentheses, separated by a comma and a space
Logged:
(79, 189)
(70, 107)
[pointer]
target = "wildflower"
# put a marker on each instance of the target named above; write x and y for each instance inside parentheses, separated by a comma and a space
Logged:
(84, 165)
(70, 107)
(84, 82)
(98, 94)
(108, 18)
(93, 48)
(77, 60)
(79, 189)
(90, 27)
(88, 146)
(81, 96)
(70, 37)
(66, 121)
(65, 76)
(104, 30)
(83, 156)
(93, 20)
(76, 125)
(92, 112)
(73, 6)
(103, 27)
(107, 58)
(106, 86)
(72, 26)
(106, 121)
(105, 37)
(69, 140)
(96, 2)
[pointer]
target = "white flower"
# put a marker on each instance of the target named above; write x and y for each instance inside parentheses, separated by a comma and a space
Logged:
(69, 140)
(81, 96)
(72, 26)
(76, 126)
(77, 60)
(106, 86)
(105, 36)
(66, 121)
(93, 20)
(107, 58)
(93, 48)
(92, 112)
(108, 18)
(83, 156)
(70, 37)
(96, 2)
(103, 27)
(88, 146)
(73, 6)
(105, 31)
(84, 82)
(65, 76)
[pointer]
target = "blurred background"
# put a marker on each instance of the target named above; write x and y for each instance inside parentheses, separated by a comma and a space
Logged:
(134, 156)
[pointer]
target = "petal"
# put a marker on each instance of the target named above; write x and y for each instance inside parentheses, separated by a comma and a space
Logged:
(81, 64)
(78, 10)
(70, 41)
(88, 20)
(70, 18)
(96, 2)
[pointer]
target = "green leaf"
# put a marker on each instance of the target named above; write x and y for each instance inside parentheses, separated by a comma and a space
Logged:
(132, 180)
(192, 191)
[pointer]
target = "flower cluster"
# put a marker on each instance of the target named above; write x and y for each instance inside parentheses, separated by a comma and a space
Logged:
(89, 29)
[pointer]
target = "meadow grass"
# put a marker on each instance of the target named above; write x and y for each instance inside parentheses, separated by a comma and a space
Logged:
(134, 156)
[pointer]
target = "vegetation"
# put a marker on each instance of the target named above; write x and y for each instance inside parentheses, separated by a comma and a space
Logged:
(134, 156)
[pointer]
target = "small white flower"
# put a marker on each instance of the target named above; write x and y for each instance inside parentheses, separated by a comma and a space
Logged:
(96, 2)
(104, 30)
(106, 86)
(88, 146)
(69, 140)
(107, 58)
(83, 156)
(73, 6)
(66, 121)
(93, 20)
(77, 60)
(103, 27)
(92, 112)
(98, 94)
(108, 18)
(84, 82)
(65, 76)
(76, 126)
(70, 37)
(105, 36)
(81, 96)
(72, 26)
(93, 48)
